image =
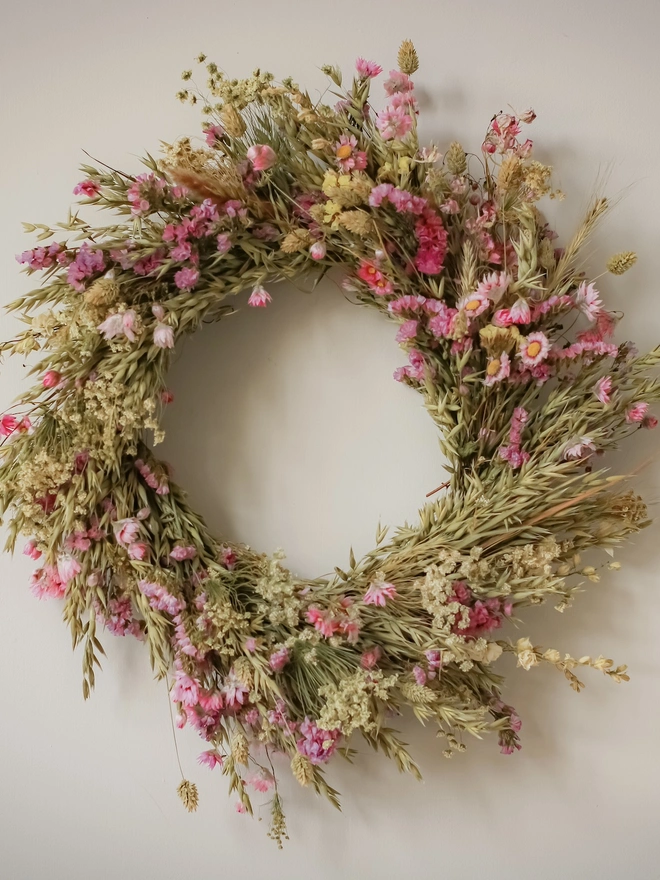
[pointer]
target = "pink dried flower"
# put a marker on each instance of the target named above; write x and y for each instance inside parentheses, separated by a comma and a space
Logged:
(262, 781)
(262, 156)
(473, 304)
(87, 188)
(636, 412)
(316, 744)
(181, 553)
(46, 583)
(379, 592)
(51, 379)
(318, 250)
(223, 242)
(419, 675)
(603, 388)
(259, 298)
(322, 621)
(212, 758)
(119, 324)
(579, 448)
(186, 278)
(398, 83)
(587, 299)
(393, 122)
(534, 349)
(497, 369)
(163, 336)
(139, 551)
(367, 69)
(370, 657)
(278, 659)
(213, 134)
(126, 530)
(185, 689)
(68, 568)
(408, 330)
(31, 550)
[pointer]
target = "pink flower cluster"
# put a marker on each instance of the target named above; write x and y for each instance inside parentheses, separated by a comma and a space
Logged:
(160, 599)
(118, 618)
(344, 620)
(502, 135)
(513, 452)
(415, 369)
(87, 262)
(87, 188)
(42, 257)
(316, 744)
(157, 482)
(485, 615)
(395, 121)
(46, 583)
(10, 424)
(144, 191)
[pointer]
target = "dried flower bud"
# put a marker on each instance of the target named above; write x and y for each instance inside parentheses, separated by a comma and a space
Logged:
(620, 263)
(187, 791)
(407, 59)
(455, 159)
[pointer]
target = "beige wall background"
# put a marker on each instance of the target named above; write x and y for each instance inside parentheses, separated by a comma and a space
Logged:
(288, 431)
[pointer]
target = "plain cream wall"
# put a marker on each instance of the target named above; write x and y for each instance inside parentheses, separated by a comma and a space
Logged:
(288, 430)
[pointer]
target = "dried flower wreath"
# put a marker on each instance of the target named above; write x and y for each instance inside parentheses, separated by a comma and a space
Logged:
(454, 250)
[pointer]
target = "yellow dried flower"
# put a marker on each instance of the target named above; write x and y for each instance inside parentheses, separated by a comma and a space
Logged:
(620, 263)
(233, 121)
(189, 795)
(496, 340)
(455, 158)
(302, 769)
(407, 59)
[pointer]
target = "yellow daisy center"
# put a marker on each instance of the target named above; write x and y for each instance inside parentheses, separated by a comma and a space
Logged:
(473, 305)
(533, 349)
(344, 151)
(493, 367)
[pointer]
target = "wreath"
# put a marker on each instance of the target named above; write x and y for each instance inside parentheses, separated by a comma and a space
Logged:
(507, 340)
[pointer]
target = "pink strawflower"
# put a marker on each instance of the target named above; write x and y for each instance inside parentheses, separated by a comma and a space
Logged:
(398, 83)
(408, 330)
(213, 134)
(318, 250)
(181, 554)
(393, 122)
(51, 379)
(262, 781)
(603, 388)
(636, 413)
(234, 691)
(262, 157)
(163, 336)
(259, 298)
(228, 558)
(126, 530)
(473, 304)
(240, 808)
(186, 278)
(322, 621)
(46, 583)
(494, 285)
(87, 188)
(185, 689)
(520, 312)
(534, 349)
(379, 592)
(497, 369)
(316, 744)
(8, 424)
(31, 550)
(367, 69)
(587, 300)
(119, 324)
(68, 568)
(349, 158)
(370, 657)
(579, 448)
(278, 659)
(650, 422)
(212, 758)
(138, 551)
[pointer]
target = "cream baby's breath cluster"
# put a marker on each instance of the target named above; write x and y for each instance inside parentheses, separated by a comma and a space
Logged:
(505, 338)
